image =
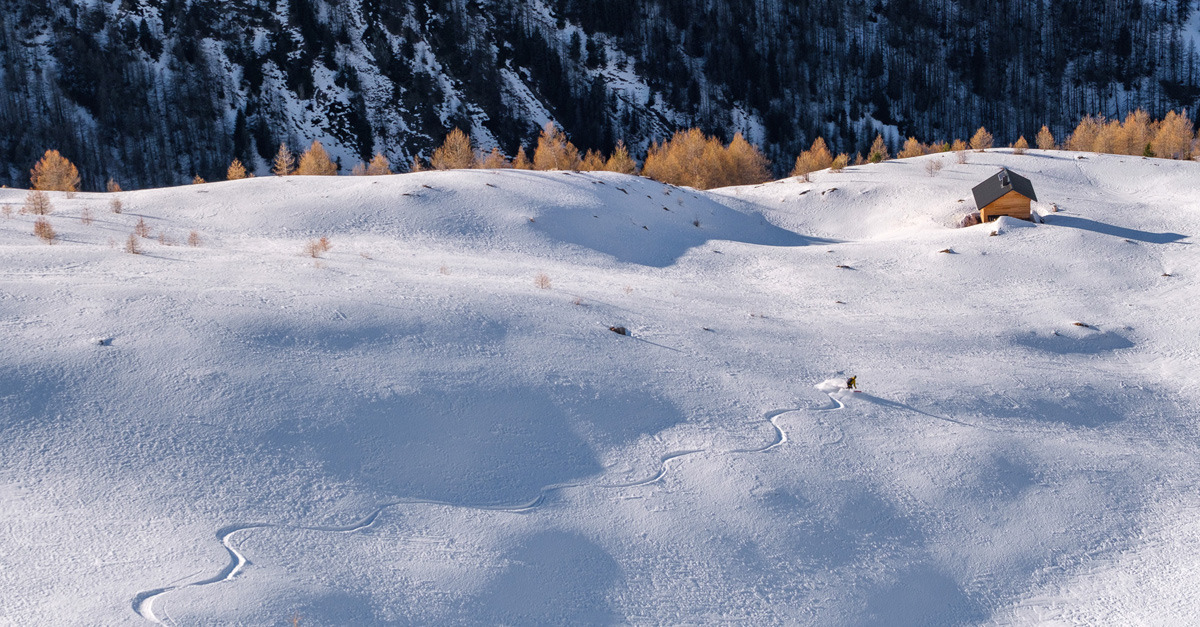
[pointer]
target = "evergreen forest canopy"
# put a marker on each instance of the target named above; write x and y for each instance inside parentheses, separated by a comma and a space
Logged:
(155, 92)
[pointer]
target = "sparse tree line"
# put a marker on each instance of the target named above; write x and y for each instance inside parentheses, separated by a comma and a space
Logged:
(692, 158)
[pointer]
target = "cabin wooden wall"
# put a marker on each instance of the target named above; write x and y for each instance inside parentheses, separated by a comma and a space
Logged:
(1010, 204)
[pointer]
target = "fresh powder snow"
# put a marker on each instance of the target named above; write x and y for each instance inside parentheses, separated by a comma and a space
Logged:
(431, 422)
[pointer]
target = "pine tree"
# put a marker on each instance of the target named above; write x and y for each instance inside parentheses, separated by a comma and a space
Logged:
(236, 171)
(284, 163)
(521, 161)
(1021, 146)
(1045, 139)
(839, 162)
(455, 152)
(554, 151)
(316, 162)
(958, 146)
(620, 161)
(379, 166)
(54, 173)
(981, 140)
(878, 151)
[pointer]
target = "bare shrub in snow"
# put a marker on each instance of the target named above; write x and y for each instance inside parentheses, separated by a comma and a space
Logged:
(6, 210)
(132, 245)
(37, 202)
(85, 216)
(116, 205)
(315, 247)
(961, 157)
(165, 239)
(542, 280)
(193, 239)
(54, 173)
(141, 229)
(42, 229)
(933, 166)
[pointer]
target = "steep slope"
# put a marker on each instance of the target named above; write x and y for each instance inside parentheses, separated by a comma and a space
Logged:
(153, 92)
(411, 429)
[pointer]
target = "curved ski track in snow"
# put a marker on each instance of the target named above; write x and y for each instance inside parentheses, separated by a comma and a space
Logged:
(143, 603)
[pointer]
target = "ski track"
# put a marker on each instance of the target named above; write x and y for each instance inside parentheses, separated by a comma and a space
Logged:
(143, 603)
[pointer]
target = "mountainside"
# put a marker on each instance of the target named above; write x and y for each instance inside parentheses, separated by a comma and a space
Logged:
(152, 92)
(431, 421)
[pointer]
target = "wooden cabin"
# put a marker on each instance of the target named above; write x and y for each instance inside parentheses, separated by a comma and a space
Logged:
(1004, 194)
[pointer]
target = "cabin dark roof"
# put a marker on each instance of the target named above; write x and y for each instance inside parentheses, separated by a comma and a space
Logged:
(1003, 182)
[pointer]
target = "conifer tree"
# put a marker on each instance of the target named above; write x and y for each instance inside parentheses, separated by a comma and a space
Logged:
(554, 151)
(620, 161)
(521, 161)
(1137, 133)
(379, 166)
(747, 164)
(1083, 138)
(284, 163)
(879, 151)
(912, 148)
(416, 165)
(198, 180)
(817, 157)
(113, 186)
(1045, 139)
(236, 171)
(1174, 137)
(981, 140)
(1021, 146)
(455, 153)
(592, 161)
(958, 146)
(839, 162)
(316, 162)
(495, 160)
(54, 173)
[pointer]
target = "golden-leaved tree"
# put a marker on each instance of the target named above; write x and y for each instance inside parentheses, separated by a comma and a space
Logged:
(495, 160)
(1174, 137)
(693, 159)
(521, 161)
(236, 171)
(554, 151)
(379, 165)
(455, 153)
(316, 162)
(284, 163)
(620, 161)
(981, 140)
(54, 173)
(911, 148)
(878, 151)
(1045, 139)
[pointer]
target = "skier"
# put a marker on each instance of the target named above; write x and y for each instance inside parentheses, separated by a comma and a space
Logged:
(852, 383)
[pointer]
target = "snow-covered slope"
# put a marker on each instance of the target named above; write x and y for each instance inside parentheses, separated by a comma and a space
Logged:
(433, 423)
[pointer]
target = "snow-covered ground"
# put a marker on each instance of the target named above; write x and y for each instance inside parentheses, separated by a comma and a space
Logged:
(412, 430)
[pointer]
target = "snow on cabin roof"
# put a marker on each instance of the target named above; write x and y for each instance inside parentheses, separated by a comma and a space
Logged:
(1003, 182)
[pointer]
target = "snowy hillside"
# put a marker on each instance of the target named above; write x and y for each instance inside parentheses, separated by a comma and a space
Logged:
(433, 423)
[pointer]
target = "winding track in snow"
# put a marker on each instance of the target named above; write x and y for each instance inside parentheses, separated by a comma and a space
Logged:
(143, 603)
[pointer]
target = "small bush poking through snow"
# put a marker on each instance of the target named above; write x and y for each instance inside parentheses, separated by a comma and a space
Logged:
(42, 229)
(116, 205)
(933, 166)
(193, 239)
(315, 247)
(542, 280)
(165, 239)
(37, 202)
(7, 211)
(132, 246)
(85, 216)
(141, 228)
